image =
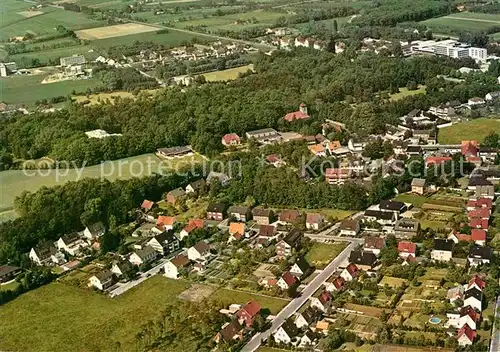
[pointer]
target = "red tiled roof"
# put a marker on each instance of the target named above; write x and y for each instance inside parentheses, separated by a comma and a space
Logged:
(436, 160)
(228, 138)
(194, 224)
(147, 204)
(374, 242)
(289, 215)
(339, 282)
(482, 213)
(463, 237)
(237, 228)
(289, 278)
(313, 218)
(165, 220)
(252, 308)
(325, 297)
(471, 312)
(273, 158)
(336, 173)
(296, 115)
(407, 247)
(479, 223)
(481, 203)
(469, 148)
(467, 331)
(352, 269)
(267, 230)
(478, 281)
(478, 235)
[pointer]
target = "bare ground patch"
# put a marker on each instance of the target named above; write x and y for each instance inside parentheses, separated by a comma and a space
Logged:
(197, 293)
(28, 14)
(114, 31)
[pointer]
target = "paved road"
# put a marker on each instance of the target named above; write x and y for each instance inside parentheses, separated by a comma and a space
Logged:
(495, 338)
(295, 304)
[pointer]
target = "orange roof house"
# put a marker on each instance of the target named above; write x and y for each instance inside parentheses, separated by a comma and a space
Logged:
(301, 114)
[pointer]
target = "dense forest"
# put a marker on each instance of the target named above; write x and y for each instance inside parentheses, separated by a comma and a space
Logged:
(343, 87)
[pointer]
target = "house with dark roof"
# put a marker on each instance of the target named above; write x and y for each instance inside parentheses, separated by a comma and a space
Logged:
(230, 332)
(200, 251)
(45, 254)
(381, 217)
(474, 297)
(418, 185)
(8, 272)
(266, 233)
(248, 313)
(289, 216)
(479, 255)
(164, 243)
(121, 267)
(175, 195)
(363, 260)
(414, 150)
(72, 243)
(308, 317)
(102, 280)
(469, 316)
(173, 266)
(406, 228)
(262, 216)
(240, 213)
(314, 221)
(393, 206)
(349, 227)
(216, 211)
(289, 243)
(220, 177)
(196, 186)
(443, 250)
(300, 267)
(374, 245)
(286, 333)
(94, 230)
(143, 256)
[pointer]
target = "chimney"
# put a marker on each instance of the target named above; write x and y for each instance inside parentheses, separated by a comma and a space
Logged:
(303, 108)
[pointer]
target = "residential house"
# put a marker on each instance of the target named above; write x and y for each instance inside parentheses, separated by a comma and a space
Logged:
(308, 339)
(350, 272)
(349, 228)
(143, 256)
(121, 267)
(262, 216)
(474, 298)
(455, 293)
(477, 223)
(479, 255)
(300, 268)
(237, 231)
(71, 243)
(459, 237)
(175, 195)
(266, 233)
(248, 313)
(289, 243)
(173, 266)
(363, 260)
(414, 150)
(392, 206)
(229, 332)
(335, 283)
(192, 225)
(443, 250)
(478, 236)
(481, 213)
(165, 223)
(469, 316)
(476, 282)
(466, 336)
(406, 228)
(301, 114)
(240, 213)
(436, 160)
(285, 333)
(308, 317)
(231, 139)
(46, 254)
(94, 231)
(406, 249)
(485, 191)
(8, 272)
(286, 281)
(196, 186)
(265, 136)
(492, 96)
(418, 185)
(164, 243)
(322, 327)
(314, 221)
(374, 245)
(322, 301)
(216, 211)
(199, 252)
(175, 152)
(220, 177)
(288, 216)
(474, 204)
(381, 217)
(102, 280)
(334, 176)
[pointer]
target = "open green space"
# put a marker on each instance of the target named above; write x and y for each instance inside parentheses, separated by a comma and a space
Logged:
(328, 24)
(26, 90)
(320, 254)
(59, 317)
(228, 297)
(10, 286)
(16, 181)
(476, 129)
(464, 21)
(404, 92)
(227, 75)
(47, 55)
(414, 199)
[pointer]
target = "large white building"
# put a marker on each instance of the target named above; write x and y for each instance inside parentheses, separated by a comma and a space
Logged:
(451, 48)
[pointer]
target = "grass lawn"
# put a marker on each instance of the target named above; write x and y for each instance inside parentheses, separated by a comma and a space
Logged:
(404, 92)
(434, 274)
(457, 22)
(228, 297)
(269, 349)
(227, 75)
(10, 286)
(58, 317)
(28, 89)
(392, 282)
(321, 254)
(476, 129)
(414, 199)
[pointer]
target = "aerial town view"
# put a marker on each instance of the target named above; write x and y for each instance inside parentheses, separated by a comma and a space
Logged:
(250, 175)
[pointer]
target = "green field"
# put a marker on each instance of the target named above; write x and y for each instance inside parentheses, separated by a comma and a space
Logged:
(59, 317)
(476, 129)
(10, 286)
(404, 92)
(320, 254)
(227, 297)
(15, 181)
(45, 55)
(328, 24)
(227, 75)
(414, 199)
(170, 39)
(26, 90)
(43, 24)
(457, 22)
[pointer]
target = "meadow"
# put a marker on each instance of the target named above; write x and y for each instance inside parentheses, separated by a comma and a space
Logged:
(320, 254)
(27, 90)
(476, 129)
(404, 92)
(227, 297)
(227, 75)
(464, 21)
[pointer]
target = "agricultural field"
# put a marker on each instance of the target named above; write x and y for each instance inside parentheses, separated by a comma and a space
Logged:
(27, 90)
(414, 199)
(320, 254)
(59, 311)
(476, 129)
(227, 75)
(465, 21)
(16, 181)
(118, 30)
(227, 297)
(94, 99)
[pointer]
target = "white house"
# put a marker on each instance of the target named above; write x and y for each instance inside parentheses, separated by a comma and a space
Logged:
(286, 281)
(350, 272)
(468, 316)
(322, 302)
(299, 268)
(306, 318)
(46, 254)
(466, 336)
(443, 250)
(95, 230)
(71, 243)
(285, 333)
(143, 256)
(173, 266)
(349, 228)
(164, 242)
(474, 298)
(200, 251)
(307, 340)
(102, 280)
(119, 268)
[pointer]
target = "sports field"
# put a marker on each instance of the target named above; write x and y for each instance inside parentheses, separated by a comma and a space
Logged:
(59, 317)
(476, 129)
(114, 31)
(463, 21)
